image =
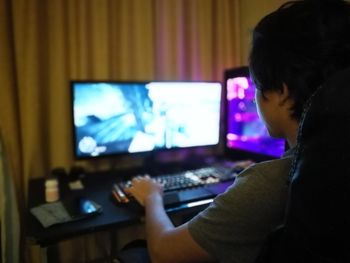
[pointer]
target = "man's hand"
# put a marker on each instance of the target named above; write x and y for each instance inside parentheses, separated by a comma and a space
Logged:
(165, 242)
(144, 188)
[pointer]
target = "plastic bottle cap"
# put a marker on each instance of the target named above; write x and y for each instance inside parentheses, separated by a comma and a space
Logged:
(51, 183)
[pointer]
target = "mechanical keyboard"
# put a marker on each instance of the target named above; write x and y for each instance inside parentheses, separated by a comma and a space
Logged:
(193, 178)
(188, 188)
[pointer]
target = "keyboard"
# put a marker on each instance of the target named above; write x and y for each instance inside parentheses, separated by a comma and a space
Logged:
(188, 188)
(193, 178)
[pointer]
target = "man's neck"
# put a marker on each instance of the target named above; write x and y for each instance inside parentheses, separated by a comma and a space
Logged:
(291, 134)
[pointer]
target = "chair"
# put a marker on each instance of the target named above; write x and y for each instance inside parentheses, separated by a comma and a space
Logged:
(317, 224)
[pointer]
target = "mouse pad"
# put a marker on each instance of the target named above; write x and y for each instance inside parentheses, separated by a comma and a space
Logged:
(63, 211)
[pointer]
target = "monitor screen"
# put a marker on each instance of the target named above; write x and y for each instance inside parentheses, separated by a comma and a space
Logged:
(132, 117)
(245, 131)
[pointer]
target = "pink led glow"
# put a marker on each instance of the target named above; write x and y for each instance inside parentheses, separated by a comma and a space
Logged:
(236, 88)
(244, 138)
(232, 137)
(238, 117)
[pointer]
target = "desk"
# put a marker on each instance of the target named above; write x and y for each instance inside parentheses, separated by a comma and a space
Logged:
(97, 187)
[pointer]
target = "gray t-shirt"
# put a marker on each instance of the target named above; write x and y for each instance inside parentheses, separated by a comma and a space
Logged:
(235, 225)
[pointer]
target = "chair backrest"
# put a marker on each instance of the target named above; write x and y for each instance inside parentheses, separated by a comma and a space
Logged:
(317, 224)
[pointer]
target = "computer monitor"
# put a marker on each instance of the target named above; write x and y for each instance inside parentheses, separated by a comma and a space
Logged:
(245, 132)
(114, 117)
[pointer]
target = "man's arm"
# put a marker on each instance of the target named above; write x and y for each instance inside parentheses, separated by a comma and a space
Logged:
(166, 243)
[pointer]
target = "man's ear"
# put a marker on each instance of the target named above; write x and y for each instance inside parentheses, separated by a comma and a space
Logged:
(284, 95)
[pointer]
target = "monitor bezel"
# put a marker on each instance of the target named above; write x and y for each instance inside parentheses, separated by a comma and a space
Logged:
(239, 154)
(144, 153)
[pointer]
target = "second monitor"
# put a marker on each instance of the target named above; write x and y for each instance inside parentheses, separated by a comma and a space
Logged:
(246, 134)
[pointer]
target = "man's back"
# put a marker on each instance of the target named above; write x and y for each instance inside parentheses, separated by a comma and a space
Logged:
(238, 221)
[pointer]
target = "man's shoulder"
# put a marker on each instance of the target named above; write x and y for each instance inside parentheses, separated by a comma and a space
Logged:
(269, 170)
(281, 162)
(284, 161)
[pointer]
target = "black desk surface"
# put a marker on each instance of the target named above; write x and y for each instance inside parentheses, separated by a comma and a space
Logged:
(97, 187)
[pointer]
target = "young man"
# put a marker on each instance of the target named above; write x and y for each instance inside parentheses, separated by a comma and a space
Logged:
(294, 50)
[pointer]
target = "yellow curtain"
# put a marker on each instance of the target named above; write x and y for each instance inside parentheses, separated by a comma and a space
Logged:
(9, 128)
(45, 44)
(52, 42)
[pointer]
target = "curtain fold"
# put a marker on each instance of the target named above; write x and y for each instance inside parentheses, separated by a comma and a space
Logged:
(196, 40)
(9, 215)
(45, 44)
(56, 41)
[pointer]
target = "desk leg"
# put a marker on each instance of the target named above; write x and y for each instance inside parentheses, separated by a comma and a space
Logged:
(114, 244)
(44, 255)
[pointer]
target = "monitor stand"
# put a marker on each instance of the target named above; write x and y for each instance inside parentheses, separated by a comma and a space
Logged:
(175, 161)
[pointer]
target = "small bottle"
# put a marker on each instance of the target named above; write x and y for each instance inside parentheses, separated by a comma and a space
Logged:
(51, 190)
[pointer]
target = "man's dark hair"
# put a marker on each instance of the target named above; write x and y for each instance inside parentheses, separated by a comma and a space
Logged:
(300, 44)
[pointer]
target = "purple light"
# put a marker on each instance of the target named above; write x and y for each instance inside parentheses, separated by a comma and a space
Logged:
(236, 88)
(245, 130)
(242, 106)
(238, 117)
(232, 137)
